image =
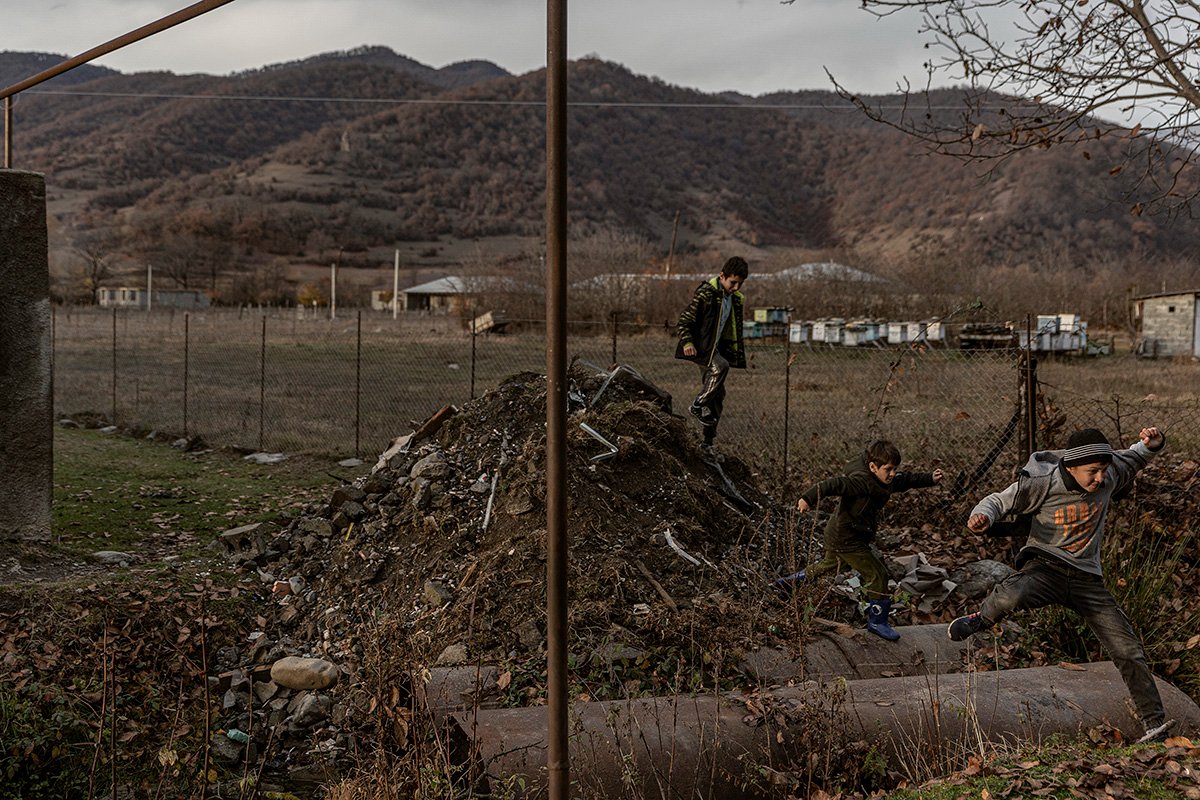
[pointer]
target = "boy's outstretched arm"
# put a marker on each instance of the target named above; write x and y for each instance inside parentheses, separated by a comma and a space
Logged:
(830, 487)
(1127, 463)
(993, 507)
(1152, 437)
(978, 523)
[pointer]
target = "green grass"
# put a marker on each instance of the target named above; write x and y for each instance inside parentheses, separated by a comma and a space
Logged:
(114, 493)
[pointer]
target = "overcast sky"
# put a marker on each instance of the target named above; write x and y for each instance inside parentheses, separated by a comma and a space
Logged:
(751, 46)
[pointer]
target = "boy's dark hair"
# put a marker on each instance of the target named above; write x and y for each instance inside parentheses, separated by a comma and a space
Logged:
(736, 265)
(881, 453)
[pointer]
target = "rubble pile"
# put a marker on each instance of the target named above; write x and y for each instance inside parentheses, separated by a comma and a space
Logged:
(437, 557)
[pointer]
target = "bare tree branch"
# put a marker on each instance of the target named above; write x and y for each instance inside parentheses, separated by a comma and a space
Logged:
(1045, 73)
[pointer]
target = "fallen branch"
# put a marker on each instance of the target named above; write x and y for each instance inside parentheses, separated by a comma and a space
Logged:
(658, 587)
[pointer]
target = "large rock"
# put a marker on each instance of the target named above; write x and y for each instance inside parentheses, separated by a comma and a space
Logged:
(295, 672)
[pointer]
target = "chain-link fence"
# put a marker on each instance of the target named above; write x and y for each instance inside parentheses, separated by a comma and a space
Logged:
(290, 380)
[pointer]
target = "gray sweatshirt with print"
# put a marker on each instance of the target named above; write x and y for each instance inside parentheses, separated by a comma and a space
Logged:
(1067, 522)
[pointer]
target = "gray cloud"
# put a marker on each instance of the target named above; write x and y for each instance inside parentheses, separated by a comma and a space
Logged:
(751, 46)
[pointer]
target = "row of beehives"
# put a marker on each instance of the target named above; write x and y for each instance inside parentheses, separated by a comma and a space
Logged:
(1052, 332)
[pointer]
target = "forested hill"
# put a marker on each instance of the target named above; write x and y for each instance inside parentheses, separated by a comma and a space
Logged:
(368, 148)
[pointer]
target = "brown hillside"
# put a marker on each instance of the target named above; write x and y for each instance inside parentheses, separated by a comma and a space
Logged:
(137, 159)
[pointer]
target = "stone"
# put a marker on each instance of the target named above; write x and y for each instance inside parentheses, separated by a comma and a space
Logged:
(453, 655)
(112, 557)
(977, 579)
(437, 593)
(296, 672)
(316, 526)
(431, 466)
(614, 653)
(348, 493)
(520, 503)
(529, 635)
(311, 710)
(353, 510)
(225, 750)
(266, 690)
(265, 458)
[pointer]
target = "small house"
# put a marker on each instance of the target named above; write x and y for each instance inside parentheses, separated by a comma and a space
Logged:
(134, 297)
(1168, 324)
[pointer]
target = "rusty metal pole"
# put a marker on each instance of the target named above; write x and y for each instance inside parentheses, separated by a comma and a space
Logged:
(557, 754)
(262, 383)
(358, 388)
(8, 132)
(187, 343)
(787, 395)
(136, 35)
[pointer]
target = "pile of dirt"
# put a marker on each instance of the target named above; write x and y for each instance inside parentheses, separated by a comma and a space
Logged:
(446, 539)
(437, 558)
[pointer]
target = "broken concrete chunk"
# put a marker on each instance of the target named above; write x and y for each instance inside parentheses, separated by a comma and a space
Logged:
(430, 467)
(346, 494)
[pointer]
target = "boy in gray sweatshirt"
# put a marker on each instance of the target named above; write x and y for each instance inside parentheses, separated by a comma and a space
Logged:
(1067, 493)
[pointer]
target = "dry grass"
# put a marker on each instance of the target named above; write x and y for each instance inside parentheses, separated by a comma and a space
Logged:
(307, 384)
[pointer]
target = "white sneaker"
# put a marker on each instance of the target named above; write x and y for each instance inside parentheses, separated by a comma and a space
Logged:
(1157, 733)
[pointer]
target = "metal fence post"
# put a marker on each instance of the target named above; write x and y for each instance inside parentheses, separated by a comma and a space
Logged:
(114, 366)
(614, 337)
(262, 382)
(358, 386)
(187, 342)
(473, 318)
(1028, 392)
(787, 397)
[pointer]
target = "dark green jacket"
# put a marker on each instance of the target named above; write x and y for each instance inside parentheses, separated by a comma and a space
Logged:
(698, 322)
(862, 497)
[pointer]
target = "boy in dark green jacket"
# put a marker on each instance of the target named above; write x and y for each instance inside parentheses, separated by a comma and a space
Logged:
(710, 335)
(870, 481)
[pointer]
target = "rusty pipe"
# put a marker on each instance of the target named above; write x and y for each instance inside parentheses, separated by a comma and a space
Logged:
(169, 21)
(715, 746)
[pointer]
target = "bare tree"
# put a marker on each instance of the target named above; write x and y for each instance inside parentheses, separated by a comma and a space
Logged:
(1041, 73)
(96, 254)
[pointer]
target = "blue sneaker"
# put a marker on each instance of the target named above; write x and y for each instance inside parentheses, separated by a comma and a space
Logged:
(789, 582)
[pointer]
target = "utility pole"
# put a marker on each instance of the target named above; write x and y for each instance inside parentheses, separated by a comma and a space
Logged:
(671, 252)
(396, 285)
(149, 286)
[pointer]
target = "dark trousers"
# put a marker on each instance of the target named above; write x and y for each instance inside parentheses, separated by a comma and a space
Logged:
(1041, 582)
(711, 399)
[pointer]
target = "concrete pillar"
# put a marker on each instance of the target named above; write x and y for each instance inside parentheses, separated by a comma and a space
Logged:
(26, 413)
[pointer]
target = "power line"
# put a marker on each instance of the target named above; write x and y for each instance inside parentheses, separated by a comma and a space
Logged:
(469, 102)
